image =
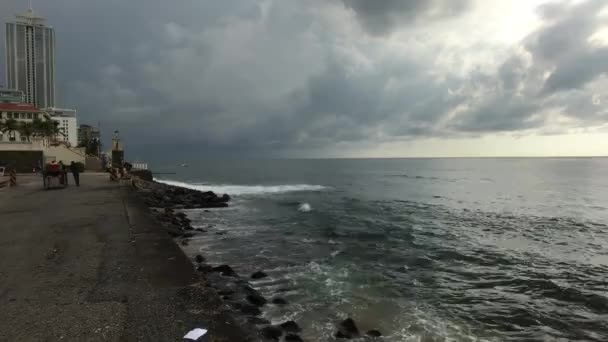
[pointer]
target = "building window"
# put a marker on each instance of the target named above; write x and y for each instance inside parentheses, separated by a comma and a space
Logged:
(29, 116)
(1, 136)
(23, 139)
(11, 136)
(23, 115)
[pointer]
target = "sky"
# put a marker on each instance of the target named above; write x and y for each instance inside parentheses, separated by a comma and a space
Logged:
(335, 78)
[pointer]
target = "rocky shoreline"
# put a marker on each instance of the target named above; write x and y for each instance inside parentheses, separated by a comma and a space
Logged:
(234, 290)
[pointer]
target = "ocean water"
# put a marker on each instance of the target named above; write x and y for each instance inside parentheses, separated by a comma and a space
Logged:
(421, 249)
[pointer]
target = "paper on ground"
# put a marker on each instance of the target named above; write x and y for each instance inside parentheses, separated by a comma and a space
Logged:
(195, 334)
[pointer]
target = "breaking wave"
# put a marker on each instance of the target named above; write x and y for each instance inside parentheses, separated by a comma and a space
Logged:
(235, 190)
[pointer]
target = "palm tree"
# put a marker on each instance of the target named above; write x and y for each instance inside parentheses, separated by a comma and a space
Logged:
(9, 126)
(26, 130)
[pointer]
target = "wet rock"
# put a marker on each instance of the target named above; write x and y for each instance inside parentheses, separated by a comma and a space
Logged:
(184, 242)
(272, 332)
(225, 270)
(259, 275)
(291, 326)
(258, 321)
(347, 329)
(199, 258)
(180, 215)
(188, 235)
(249, 309)
(205, 268)
(225, 291)
(293, 338)
(256, 299)
(225, 198)
(374, 333)
(279, 301)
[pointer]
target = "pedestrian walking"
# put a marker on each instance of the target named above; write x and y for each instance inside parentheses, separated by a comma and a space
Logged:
(75, 173)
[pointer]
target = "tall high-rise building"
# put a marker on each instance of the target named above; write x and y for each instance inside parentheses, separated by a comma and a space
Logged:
(30, 59)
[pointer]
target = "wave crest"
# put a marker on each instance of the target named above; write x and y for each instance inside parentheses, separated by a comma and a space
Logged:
(244, 189)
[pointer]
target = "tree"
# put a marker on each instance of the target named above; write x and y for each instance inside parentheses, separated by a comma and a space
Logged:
(10, 126)
(26, 129)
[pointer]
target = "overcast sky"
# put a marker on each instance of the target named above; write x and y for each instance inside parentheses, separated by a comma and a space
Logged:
(353, 78)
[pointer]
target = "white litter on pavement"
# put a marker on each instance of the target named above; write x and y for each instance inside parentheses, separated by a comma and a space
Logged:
(195, 334)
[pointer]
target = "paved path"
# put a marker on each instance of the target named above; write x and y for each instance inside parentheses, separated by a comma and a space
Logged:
(89, 263)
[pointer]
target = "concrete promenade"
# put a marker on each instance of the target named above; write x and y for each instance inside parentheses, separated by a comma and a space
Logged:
(89, 263)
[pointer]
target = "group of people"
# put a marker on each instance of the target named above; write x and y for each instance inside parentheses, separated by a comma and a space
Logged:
(59, 168)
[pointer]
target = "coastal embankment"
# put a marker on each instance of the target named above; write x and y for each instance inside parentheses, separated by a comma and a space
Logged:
(92, 263)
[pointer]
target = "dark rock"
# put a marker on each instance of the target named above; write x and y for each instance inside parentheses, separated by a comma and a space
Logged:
(258, 320)
(225, 291)
(374, 333)
(199, 258)
(283, 290)
(279, 301)
(249, 309)
(272, 332)
(256, 299)
(220, 233)
(187, 235)
(205, 268)
(180, 215)
(347, 329)
(291, 326)
(226, 297)
(206, 211)
(259, 275)
(184, 242)
(200, 230)
(225, 198)
(225, 270)
(293, 338)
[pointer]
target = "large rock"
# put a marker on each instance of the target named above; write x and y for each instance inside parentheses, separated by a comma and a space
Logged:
(199, 258)
(225, 270)
(258, 320)
(271, 332)
(279, 301)
(256, 299)
(374, 333)
(249, 309)
(293, 338)
(291, 326)
(347, 329)
(259, 275)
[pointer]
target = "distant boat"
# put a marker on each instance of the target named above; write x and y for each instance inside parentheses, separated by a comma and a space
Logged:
(185, 165)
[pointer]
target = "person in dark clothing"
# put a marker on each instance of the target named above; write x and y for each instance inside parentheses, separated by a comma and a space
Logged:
(75, 173)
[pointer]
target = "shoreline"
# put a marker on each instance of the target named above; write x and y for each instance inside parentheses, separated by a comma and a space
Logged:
(245, 304)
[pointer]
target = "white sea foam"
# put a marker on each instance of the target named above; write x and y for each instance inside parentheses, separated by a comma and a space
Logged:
(235, 190)
(304, 207)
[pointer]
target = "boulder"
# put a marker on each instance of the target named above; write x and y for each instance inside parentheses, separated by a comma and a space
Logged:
(205, 268)
(279, 301)
(199, 258)
(249, 309)
(347, 329)
(271, 332)
(182, 216)
(259, 275)
(374, 333)
(293, 338)
(258, 321)
(291, 326)
(225, 270)
(256, 299)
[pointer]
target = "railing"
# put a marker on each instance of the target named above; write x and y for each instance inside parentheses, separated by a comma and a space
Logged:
(140, 166)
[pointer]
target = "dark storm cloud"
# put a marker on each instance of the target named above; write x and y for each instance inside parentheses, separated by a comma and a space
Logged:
(381, 17)
(257, 78)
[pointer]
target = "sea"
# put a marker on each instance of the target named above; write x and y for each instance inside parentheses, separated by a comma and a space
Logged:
(509, 249)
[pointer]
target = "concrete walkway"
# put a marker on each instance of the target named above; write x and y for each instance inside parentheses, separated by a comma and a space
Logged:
(90, 263)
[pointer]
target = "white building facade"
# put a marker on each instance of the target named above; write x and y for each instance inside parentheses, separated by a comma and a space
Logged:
(68, 124)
